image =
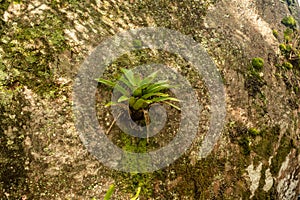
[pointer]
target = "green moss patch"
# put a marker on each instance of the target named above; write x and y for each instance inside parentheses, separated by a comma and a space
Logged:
(284, 149)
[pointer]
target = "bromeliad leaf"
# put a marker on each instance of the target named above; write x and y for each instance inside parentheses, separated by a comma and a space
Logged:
(109, 192)
(136, 196)
(144, 92)
(159, 99)
(138, 80)
(158, 87)
(149, 79)
(139, 104)
(111, 103)
(130, 76)
(150, 86)
(114, 85)
(126, 82)
(122, 90)
(123, 98)
(176, 107)
(137, 92)
(106, 82)
(132, 101)
(160, 94)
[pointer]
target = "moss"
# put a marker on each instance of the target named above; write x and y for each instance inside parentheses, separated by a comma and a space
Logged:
(129, 182)
(137, 43)
(290, 58)
(287, 38)
(265, 147)
(3, 7)
(275, 33)
(33, 62)
(236, 130)
(289, 48)
(257, 63)
(254, 78)
(287, 65)
(288, 35)
(290, 51)
(282, 48)
(284, 149)
(13, 173)
(254, 81)
(289, 21)
(244, 142)
(179, 179)
(137, 145)
(268, 138)
(253, 139)
(254, 132)
(288, 32)
(261, 194)
(196, 180)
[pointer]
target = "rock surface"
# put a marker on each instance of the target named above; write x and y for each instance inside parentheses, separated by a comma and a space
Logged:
(43, 44)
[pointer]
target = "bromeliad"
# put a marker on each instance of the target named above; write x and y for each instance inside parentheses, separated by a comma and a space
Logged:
(142, 92)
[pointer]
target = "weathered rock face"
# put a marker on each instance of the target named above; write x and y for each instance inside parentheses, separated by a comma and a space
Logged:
(42, 46)
(247, 26)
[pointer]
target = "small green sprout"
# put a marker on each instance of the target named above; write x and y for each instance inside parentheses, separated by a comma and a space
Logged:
(136, 196)
(109, 192)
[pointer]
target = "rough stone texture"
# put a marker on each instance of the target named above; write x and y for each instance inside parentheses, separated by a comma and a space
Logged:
(43, 44)
(254, 175)
(269, 181)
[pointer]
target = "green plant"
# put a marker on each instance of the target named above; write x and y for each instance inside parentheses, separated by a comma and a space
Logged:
(290, 50)
(109, 192)
(257, 63)
(136, 196)
(137, 184)
(139, 92)
(289, 21)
